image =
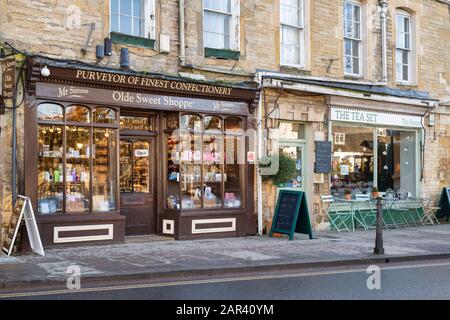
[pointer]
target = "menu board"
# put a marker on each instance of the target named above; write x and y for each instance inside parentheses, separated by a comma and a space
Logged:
(444, 204)
(14, 226)
(291, 214)
(323, 157)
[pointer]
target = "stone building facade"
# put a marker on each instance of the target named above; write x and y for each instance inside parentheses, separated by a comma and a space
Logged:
(303, 92)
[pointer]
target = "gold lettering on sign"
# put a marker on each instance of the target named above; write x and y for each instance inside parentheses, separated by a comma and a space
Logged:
(151, 83)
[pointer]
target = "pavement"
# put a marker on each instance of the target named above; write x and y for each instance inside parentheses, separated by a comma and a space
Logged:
(161, 259)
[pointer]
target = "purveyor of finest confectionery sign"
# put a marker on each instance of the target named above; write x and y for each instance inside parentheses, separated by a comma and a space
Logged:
(375, 118)
(136, 99)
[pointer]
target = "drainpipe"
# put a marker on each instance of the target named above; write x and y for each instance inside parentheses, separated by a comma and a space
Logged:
(383, 15)
(259, 134)
(182, 35)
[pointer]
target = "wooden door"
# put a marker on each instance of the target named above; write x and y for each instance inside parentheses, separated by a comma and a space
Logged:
(137, 185)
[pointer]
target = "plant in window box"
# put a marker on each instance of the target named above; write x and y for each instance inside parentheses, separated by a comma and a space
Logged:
(347, 194)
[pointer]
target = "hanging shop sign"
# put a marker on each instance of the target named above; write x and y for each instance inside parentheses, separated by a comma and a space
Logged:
(375, 118)
(137, 99)
(8, 77)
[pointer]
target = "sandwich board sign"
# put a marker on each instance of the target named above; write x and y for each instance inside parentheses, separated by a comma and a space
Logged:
(23, 211)
(291, 214)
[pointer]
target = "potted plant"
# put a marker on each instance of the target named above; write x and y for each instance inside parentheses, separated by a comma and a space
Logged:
(375, 192)
(347, 194)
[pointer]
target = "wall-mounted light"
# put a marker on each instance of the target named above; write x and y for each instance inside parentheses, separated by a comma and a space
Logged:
(124, 58)
(45, 72)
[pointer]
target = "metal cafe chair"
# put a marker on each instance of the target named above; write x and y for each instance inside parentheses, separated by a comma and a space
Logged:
(388, 213)
(367, 213)
(338, 215)
(429, 212)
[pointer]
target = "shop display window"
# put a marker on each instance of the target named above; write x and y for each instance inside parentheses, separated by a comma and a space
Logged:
(76, 162)
(204, 163)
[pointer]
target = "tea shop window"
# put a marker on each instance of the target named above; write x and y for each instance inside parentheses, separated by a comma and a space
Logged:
(205, 161)
(77, 159)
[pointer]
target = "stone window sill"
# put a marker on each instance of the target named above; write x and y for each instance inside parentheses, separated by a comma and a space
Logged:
(132, 40)
(222, 54)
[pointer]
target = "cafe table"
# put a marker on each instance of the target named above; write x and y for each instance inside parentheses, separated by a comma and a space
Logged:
(352, 203)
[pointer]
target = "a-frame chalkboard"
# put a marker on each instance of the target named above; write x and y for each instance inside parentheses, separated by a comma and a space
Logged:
(291, 214)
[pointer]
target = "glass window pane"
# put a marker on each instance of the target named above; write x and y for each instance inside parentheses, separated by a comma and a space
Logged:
(191, 122)
(233, 125)
(126, 166)
(104, 115)
(50, 170)
(191, 171)
(50, 112)
(353, 160)
(77, 114)
(141, 167)
(292, 163)
(78, 156)
(105, 164)
(405, 73)
(348, 64)
(173, 171)
(235, 160)
(125, 7)
(291, 12)
(212, 170)
(138, 9)
(219, 5)
(355, 66)
(136, 123)
(292, 130)
(212, 123)
(138, 28)
(115, 23)
(115, 6)
(126, 25)
(217, 30)
(290, 45)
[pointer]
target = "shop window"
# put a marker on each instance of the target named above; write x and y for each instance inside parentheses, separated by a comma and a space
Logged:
(204, 166)
(233, 125)
(353, 160)
(104, 115)
(80, 178)
(292, 33)
(50, 112)
(78, 114)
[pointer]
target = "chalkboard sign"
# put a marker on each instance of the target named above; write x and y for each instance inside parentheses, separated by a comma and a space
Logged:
(291, 214)
(323, 157)
(13, 228)
(444, 204)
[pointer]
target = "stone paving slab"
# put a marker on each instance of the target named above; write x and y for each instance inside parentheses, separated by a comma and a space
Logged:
(165, 256)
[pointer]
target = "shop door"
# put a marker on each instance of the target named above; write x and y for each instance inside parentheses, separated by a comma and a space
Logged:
(137, 179)
(292, 161)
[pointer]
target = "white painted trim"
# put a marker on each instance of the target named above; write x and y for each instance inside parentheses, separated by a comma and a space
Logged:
(109, 236)
(172, 226)
(213, 221)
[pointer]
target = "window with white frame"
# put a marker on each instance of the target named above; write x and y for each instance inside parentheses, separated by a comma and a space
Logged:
(133, 17)
(292, 32)
(352, 39)
(339, 138)
(404, 47)
(221, 24)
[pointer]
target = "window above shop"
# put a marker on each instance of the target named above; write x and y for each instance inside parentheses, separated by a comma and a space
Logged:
(352, 39)
(221, 28)
(292, 33)
(292, 131)
(404, 48)
(133, 22)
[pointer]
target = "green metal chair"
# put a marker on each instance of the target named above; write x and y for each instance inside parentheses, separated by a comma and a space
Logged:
(366, 211)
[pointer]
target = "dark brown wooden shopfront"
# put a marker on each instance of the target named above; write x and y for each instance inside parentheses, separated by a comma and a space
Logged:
(100, 161)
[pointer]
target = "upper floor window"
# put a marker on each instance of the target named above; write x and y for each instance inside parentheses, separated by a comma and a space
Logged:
(133, 17)
(352, 39)
(292, 32)
(221, 24)
(404, 47)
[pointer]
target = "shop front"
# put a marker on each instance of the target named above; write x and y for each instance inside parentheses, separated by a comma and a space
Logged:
(376, 148)
(113, 154)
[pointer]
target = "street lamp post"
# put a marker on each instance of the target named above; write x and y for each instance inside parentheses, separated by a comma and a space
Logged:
(379, 237)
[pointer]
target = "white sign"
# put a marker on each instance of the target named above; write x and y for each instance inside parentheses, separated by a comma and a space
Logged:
(23, 210)
(345, 170)
(141, 153)
(377, 118)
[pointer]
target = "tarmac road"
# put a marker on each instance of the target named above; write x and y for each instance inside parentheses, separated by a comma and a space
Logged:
(424, 280)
